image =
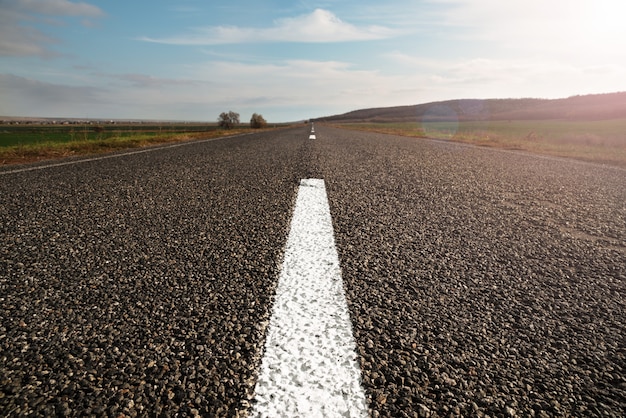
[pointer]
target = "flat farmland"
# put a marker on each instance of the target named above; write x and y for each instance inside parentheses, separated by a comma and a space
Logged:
(41, 133)
(596, 141)
(34, 142)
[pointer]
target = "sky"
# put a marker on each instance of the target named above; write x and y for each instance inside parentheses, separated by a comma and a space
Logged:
(296, 59)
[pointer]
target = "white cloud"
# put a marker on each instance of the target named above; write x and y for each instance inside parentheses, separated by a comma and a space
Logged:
(293, 82)
(135, 96)
(55, 7)
(288, 90)
(23, 96)
(508, 77)
(296, 89)
(319, 26)
(147, 81)
(18, 34)
(529, 48)
(16, 40)
(561, 27)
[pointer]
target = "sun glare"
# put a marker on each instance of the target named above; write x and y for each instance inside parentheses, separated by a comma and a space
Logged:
(600, 25)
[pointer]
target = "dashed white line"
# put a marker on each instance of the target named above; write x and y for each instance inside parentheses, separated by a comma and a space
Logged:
(311, 136)
(310, 367)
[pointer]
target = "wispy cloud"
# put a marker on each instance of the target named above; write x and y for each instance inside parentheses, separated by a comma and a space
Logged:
(562, 27)
(148, 81)
(16, 40)
(293, 84)
(289, 90)
(18, 18)
(138, 96)
(55, 7)
(319, 26)
(21, 95)
(483, 77)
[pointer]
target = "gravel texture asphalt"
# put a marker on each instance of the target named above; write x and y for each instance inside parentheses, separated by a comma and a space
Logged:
(141, 285)
(479, 282)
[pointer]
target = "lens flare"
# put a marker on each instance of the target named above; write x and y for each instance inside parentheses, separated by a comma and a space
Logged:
(440, 121)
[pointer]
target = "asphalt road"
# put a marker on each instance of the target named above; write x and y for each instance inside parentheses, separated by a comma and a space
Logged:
(479, 282)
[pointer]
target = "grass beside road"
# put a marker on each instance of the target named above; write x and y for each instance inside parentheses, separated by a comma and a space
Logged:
(25, 144)
(594, 141)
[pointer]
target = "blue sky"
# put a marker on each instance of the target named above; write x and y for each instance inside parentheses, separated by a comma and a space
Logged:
(291, 60)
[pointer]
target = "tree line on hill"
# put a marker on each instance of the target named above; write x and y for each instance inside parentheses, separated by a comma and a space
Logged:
(587, 107)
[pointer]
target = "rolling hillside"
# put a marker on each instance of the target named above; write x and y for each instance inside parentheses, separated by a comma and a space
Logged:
(589, 107)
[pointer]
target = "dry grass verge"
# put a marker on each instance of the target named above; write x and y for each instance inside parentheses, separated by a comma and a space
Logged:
(28, 153)
(593, 141)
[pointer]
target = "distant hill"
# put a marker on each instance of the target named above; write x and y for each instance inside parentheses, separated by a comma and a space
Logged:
(589, 107)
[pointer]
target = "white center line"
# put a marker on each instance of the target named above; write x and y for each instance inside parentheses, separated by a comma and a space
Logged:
(310, 365)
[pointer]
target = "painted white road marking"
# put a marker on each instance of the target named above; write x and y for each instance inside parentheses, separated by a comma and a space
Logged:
(310, 366)
(311, 136)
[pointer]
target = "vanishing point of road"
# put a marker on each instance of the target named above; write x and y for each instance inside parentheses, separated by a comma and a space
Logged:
(478, 282)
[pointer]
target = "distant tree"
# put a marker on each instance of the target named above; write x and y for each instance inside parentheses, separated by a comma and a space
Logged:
(257, 121)
(228, 120)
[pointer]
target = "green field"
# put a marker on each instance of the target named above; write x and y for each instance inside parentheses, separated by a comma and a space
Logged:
(12, 135)
(596, 141)
(31, 142)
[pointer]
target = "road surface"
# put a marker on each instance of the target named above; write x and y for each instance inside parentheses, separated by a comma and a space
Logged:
(479, 282)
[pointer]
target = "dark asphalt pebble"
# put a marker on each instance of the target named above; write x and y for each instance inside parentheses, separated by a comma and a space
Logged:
(141, 285)
(480, 282)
